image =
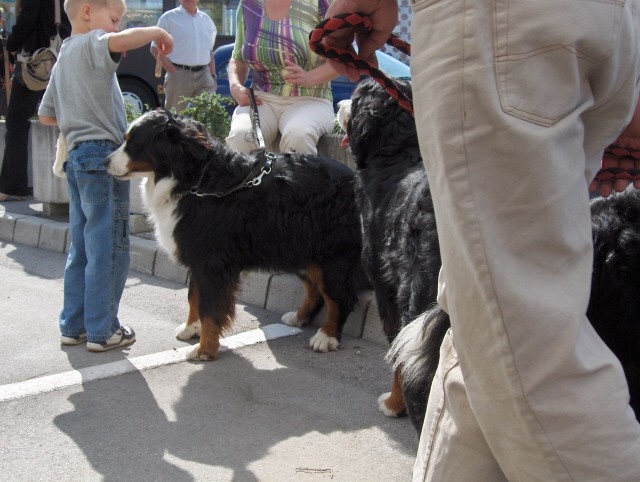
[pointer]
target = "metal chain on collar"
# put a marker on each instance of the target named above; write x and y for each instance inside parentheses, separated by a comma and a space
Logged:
(361, 24)
(253, 179)
(261, 169)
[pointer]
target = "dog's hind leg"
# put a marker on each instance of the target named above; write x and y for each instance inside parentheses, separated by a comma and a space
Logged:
(337, 288)
(216, 306)
(309, 307)
(191, 328)
(392, 403)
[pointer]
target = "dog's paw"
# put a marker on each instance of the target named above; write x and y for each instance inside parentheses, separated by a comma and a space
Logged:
(188, 332)
(323, 343)
(194, 354)
(291, 319)
(382, 405)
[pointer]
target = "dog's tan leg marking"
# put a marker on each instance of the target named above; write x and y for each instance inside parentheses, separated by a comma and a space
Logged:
(209, 344)
(192, 297)
(190, 329)
(392, 403)
(306, 308)
(326, 339)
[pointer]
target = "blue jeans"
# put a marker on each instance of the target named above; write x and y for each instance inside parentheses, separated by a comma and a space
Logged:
(98, 261)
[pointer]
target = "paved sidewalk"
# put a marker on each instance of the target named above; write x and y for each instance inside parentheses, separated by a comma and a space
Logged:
(264, 411)
(25, 222)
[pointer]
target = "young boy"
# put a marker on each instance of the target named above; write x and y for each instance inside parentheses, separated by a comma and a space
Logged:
(83, 98)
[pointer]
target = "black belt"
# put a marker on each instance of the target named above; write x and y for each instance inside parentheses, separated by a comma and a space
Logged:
(192, 68)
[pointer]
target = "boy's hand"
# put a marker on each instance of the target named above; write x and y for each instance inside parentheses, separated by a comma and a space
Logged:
(164, 43)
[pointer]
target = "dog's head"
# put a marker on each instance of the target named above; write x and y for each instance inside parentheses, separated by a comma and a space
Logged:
(160, 144)
(375, 124)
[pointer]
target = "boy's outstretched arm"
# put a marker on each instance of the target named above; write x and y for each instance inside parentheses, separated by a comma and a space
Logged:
(132, 38)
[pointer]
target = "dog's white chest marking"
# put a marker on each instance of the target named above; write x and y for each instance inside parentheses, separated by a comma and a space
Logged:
(162, 208)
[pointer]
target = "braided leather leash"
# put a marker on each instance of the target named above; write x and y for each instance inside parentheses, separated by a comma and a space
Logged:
(361, 24)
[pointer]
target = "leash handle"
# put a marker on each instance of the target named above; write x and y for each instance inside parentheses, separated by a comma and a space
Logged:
(255, 119)
(361, 24)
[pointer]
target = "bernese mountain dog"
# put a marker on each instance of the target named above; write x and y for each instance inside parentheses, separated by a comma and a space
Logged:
(219, 212)
(402, 258)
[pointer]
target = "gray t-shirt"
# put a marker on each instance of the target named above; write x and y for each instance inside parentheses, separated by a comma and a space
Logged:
(83, 93)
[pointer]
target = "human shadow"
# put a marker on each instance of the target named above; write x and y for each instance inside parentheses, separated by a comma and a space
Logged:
(119, 426)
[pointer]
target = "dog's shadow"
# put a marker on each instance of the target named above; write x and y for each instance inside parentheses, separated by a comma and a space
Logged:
(231, 414)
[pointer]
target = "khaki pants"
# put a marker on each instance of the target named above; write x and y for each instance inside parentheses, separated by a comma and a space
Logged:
(185, 83)
(515, 101)
(300, 120)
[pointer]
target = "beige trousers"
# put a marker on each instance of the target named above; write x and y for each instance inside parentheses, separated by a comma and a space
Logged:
(515, 101)
(300, 120)
(185, 83)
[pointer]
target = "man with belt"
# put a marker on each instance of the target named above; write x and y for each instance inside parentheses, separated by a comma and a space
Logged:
(190, 66)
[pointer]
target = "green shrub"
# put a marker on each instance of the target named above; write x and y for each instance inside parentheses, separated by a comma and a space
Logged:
(131, 112)
(210, 109)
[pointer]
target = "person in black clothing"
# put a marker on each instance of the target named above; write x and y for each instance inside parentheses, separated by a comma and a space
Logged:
(34, 27)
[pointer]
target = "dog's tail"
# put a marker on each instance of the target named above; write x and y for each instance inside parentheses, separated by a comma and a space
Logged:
(415, 352)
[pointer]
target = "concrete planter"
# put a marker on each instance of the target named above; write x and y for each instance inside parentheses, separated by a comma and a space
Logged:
(47, 187)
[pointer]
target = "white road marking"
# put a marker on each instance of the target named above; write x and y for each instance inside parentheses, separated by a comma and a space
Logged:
(51, 383)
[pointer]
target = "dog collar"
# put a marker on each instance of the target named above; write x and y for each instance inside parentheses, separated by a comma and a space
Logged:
(253, 179)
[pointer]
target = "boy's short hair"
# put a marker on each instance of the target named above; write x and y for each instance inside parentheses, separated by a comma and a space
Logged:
(71, 6)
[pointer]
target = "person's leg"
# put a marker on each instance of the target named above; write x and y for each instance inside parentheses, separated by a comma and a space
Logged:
(105, 205)
(452, 432)
(241, 136)
(14, 177)
(509, 142)
(177, 85)
(303, 122)
(204, 82)
(72, 314)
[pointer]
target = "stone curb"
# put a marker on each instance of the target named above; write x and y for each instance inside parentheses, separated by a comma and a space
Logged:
(277, 292)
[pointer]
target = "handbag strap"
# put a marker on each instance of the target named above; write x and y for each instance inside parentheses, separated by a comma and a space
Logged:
(56, 41)
(56, 4)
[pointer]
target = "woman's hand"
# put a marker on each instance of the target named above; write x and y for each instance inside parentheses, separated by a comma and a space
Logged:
(241, 95)
(294, 74)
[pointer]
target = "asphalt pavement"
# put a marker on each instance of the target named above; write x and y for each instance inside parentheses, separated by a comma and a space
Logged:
(269, 409)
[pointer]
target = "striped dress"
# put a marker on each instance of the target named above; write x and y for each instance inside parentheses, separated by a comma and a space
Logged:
(265, 44)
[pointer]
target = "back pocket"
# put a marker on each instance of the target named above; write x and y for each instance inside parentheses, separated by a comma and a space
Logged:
(542, 48)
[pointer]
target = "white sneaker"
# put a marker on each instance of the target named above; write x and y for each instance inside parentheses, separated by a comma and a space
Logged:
(122, 337)
(73, 340)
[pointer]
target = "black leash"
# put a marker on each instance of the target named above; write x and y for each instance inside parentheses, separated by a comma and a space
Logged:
(254, 178)
(255, 120)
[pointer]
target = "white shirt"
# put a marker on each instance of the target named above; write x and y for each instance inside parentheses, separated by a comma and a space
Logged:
(193, 36)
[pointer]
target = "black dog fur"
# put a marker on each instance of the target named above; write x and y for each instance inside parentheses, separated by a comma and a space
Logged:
(400, 244)
(402, 258)
(300, 219)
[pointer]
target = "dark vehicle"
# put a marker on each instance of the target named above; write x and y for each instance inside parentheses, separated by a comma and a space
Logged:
(136, 72)
(341, 87)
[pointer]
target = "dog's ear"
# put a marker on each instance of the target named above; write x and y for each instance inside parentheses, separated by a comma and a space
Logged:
(189, 136)
(377, 125)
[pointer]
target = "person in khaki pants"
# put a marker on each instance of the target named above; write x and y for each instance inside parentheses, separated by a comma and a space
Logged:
(190, 68)
(515, 102)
